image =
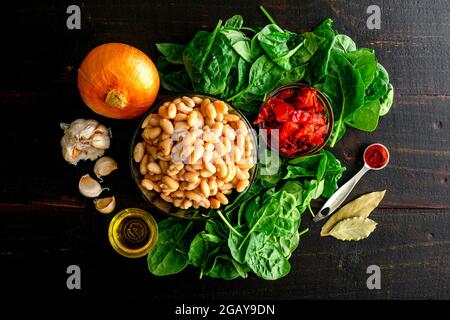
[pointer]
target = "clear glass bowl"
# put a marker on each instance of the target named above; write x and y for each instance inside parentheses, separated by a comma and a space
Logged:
(133, 232)
(153, 197)
(328, 111)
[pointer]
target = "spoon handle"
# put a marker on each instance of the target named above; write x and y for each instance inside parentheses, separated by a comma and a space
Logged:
(339, 196)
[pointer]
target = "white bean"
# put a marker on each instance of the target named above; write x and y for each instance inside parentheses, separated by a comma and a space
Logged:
(138, 152)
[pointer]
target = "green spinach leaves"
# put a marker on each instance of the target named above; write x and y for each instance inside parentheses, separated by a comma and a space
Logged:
(241, 69)
(353, 80)
(260, 235)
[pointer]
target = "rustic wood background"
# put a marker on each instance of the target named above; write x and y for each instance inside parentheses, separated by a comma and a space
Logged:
(46, 225)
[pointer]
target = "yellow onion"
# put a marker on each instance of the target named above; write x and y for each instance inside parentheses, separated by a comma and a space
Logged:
(118, 81)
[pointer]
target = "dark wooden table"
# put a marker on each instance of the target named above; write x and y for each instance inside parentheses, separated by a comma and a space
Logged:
(46, 225)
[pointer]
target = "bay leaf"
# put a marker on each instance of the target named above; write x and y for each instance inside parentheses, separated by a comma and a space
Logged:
(360, 207)
(354, 229)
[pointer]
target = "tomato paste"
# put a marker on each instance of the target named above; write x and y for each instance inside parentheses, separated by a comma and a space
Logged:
(300, 117)
(376, 156)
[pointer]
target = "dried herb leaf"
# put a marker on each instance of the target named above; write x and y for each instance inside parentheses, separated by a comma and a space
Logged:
(360, 207)
(355, 229)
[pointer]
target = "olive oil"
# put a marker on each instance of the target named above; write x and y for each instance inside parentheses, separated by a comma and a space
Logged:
(133, 232)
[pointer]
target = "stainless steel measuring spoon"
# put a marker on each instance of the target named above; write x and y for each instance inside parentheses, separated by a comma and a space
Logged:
(342, 193)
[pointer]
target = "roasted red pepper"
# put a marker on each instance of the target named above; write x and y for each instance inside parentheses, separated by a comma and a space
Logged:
(285, 94)
(306, 98)
(298, 114)
(281, 109)
(289, 128)
(263, 115)
(301, 117)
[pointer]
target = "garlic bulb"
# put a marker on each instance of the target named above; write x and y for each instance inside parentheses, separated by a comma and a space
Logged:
(104, 166)
(105, 205)
(89, 187)
(84, 139)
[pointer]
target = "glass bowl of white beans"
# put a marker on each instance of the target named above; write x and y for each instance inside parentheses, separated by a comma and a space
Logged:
(192, 155)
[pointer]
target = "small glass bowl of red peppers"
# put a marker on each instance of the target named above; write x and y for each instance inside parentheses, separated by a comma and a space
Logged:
(303, 116)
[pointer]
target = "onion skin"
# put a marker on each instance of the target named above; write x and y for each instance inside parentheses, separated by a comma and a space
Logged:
(118, 81)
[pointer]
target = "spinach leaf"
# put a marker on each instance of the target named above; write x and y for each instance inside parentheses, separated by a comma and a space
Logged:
(173, 77)
(277, 215)
(298, 172)
(256, 203)
(209, 252)
(294, 188)
(250, 204)
(226, 268)
(310, 162)
(263, 219)
(243, 69)
(208, 60)
(304, 166)
(288, 220)
(256, 50)
(270, 168)
(344, 43)
(264, 76)
(387, 101)
(176, 81)
(201, 247)
(364, 61)
(235, 22)
(307, 49)
(248, 103)
(380, 85)
(286, 244)
(366, 117)
(265, 259)
(239, 42)
(294, 75)
(322, 166)
(350, 90)
(217, 229)
(312, 190)
(172, 52)
(234, 243)
(319, 62)
(279, 45)
(170, 254)
(332, 175)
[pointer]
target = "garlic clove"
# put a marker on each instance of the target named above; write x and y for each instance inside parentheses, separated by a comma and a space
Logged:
(105, 205)
(88, 129)
(89, 187)
(92, 153)
(102, 129)
(104, 166)
(100, 141)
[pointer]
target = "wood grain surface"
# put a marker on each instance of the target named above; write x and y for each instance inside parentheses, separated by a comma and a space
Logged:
(46, 225)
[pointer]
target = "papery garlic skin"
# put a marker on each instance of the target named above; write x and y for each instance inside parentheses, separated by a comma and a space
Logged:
(105, 205)
(89, 187)
(104, 166)
(83, 140)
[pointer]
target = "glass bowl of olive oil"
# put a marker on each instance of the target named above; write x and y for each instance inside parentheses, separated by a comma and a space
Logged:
(133, 232)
